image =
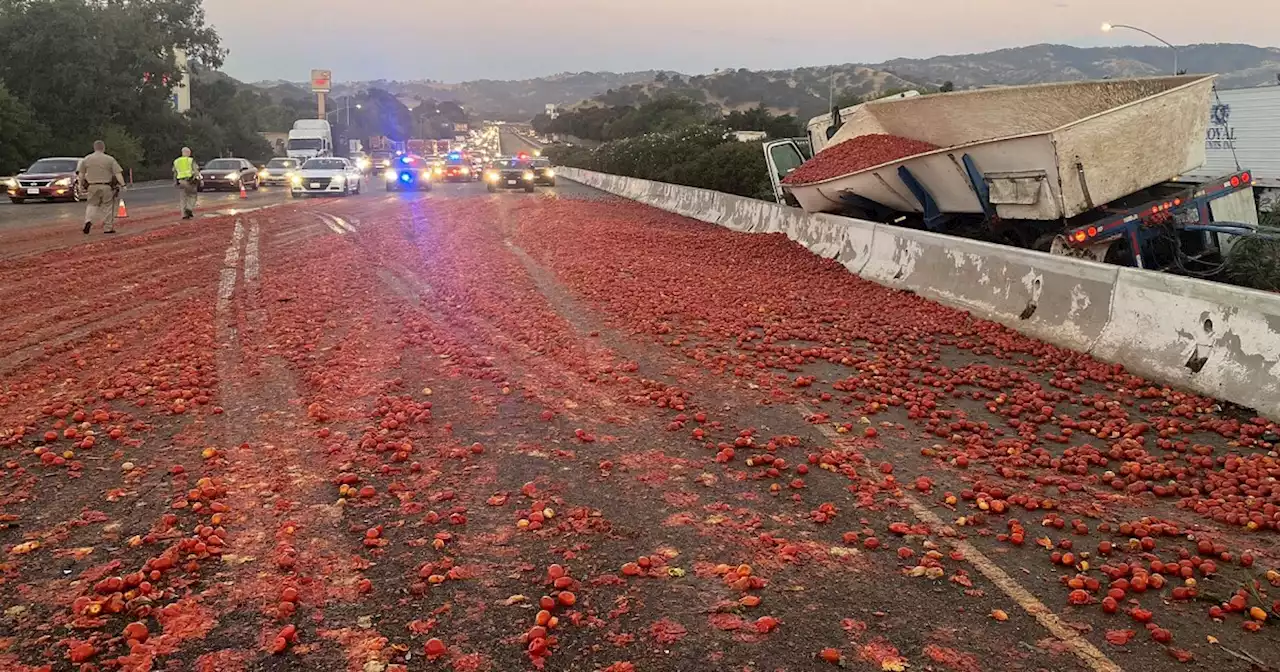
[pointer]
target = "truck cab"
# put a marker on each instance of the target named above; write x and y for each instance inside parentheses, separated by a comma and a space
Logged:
(310, 138)
(822, 128)
(784, 156)
(308, 143)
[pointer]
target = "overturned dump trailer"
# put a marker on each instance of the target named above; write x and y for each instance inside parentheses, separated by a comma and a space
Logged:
(1079, 168)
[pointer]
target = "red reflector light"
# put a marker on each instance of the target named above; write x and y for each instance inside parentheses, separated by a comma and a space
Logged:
(1079, 236)
(1093, 231)
(1245, 177)
(1177, 201)
(1155, 209)
(1235, 180)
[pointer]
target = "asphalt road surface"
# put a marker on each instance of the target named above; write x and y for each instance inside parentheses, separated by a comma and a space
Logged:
(142, 200)
(562, 431)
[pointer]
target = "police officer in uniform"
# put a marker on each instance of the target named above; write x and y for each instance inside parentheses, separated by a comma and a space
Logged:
(102, 178)
(186, 176)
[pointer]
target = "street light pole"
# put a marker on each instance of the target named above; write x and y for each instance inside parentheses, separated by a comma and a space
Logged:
(1108, 27)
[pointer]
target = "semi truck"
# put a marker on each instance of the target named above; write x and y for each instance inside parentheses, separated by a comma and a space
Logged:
(310, 138)
(1244, 130)
(1087, 169)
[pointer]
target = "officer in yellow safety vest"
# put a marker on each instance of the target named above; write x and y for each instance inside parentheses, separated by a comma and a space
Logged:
(187, 178)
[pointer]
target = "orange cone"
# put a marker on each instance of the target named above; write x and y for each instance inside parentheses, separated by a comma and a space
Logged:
(121, 212)
(242, 194)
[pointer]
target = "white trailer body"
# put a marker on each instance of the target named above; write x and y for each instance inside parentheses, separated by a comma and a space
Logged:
(1046, 152)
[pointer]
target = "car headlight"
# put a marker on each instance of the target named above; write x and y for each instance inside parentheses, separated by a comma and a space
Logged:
(262, 174)
(362, 163)
(10, 182)
(492, 177)
(296, 180)
(551, 173)
(339, 179)
(233, 176)
(64, 182)
(466, 170)
(426, 175)
(438, 170)
(528, 174)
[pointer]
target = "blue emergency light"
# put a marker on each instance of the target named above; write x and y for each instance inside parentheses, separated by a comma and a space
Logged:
(406, 177)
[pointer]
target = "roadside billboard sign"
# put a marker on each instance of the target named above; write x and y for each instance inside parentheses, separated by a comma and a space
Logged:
(321, 81)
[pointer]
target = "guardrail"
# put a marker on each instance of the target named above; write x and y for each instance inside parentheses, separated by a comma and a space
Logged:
(1217, 340)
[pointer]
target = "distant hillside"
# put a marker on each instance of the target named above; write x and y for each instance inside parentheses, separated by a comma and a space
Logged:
(1241, 65)
(801, 91)
(515, 100)
(805, 91)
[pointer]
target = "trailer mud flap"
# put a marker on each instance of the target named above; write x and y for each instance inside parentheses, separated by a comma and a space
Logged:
(1015, 188)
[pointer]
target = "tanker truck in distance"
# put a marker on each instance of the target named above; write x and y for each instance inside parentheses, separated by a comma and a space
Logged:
(310, 138)
(1086, 169)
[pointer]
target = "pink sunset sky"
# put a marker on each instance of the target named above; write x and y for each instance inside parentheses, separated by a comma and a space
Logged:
(515, 39)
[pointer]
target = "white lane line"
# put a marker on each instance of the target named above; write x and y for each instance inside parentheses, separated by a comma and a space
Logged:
(328, 221)
(343, 223)
(251, 256)
(1085, 650)
(227, 282)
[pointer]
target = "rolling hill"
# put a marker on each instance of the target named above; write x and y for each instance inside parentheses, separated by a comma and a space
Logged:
(804, 91)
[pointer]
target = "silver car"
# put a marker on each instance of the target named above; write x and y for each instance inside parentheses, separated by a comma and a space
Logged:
(327, 175)
(279, 170)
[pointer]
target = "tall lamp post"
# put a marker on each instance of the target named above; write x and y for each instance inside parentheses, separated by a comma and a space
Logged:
(1108, 27)
(347, 107)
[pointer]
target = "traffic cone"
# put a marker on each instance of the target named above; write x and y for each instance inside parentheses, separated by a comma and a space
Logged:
(121, 212)
(242, 193)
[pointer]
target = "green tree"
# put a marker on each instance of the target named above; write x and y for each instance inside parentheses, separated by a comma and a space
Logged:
(84, 66)
(122, 145)
(381, 113)
(22, 136)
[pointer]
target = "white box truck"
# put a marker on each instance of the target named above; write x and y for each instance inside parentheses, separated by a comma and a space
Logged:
(310, 138)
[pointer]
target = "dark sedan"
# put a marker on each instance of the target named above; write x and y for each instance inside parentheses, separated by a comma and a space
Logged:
(510, 174)
(228, 175)
(543, 173)
(51, 179)
(408, 172)
(458, 169)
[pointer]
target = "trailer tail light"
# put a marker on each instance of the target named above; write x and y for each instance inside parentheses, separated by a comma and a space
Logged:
(1245, 177)
(1235, 180)
(1079, 236)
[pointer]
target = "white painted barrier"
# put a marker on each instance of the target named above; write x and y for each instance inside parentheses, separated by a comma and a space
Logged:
(1217, 340)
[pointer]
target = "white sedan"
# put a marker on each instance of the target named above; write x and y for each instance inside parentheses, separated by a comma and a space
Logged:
(327, 175)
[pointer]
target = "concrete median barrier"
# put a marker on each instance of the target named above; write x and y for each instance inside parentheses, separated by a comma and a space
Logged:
(1055, 299)
(1213, 339)
(1218, 340)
